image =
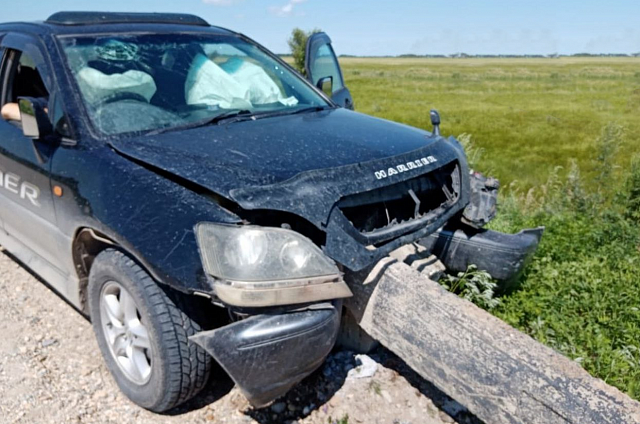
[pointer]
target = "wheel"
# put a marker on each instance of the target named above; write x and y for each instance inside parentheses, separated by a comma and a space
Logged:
(142, 331)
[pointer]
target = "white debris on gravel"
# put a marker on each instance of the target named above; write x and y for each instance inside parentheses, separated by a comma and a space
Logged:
(51, 371)
(366, 369)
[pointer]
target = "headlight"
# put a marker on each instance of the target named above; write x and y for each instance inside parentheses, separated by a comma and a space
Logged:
(260, 254)
(261, 266)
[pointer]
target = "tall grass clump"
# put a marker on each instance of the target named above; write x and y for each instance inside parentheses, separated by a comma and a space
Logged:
(581, 293)
(474, 285)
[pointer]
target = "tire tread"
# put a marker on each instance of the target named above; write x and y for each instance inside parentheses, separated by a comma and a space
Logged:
(189, 364)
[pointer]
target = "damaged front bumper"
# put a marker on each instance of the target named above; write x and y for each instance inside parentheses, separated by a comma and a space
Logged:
(503, 256)
(266, 355)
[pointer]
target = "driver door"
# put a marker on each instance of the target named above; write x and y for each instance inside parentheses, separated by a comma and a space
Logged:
(323, 69)
(26, 201)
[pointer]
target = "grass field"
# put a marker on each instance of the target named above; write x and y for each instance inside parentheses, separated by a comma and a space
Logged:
(530, 115)
(581, 294)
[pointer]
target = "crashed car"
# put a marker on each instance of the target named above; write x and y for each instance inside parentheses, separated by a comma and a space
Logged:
(199, 200)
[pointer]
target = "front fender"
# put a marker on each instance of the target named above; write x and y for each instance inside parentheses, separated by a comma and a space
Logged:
(150, 216)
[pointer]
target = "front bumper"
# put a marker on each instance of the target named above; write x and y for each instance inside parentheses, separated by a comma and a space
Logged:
(266, 355)
(503, 256)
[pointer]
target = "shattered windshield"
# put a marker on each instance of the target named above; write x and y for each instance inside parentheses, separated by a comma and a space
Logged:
(133, 83)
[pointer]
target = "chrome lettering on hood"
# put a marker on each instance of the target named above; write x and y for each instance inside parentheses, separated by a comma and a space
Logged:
(404, 167)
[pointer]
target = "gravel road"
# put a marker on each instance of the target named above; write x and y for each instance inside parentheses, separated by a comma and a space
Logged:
(51, 371)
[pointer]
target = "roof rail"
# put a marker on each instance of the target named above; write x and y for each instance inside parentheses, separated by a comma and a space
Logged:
(95, 18)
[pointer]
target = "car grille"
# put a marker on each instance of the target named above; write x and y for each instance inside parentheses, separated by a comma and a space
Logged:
(380, 209)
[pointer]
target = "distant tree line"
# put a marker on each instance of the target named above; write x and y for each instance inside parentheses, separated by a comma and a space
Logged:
(299, 56)
(298, 40)
(501, 56)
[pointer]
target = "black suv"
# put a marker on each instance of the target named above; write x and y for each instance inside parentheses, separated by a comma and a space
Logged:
(156, 170)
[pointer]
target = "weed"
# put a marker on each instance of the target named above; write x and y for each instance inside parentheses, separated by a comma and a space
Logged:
(374, 386)
(343, 420)
(633, 190)
(473, 285)
(608, 143)
(474, 153)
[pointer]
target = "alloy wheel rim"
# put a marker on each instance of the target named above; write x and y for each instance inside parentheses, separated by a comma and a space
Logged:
(124, 332)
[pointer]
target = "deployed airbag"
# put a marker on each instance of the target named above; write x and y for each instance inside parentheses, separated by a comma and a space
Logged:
(236, 84)
(260, 87)
(97, 86)
(209, 84)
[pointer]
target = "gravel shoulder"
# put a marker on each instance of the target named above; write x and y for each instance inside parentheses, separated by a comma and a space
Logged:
(51, 371)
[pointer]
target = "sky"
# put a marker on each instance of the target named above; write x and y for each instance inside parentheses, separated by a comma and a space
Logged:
(383, 27)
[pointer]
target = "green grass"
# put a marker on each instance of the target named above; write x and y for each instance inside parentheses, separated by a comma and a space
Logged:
(565, 131)
(530, 115)
(580, 294)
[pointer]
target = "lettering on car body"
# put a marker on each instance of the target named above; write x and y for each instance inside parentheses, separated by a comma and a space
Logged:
(404, 167)
(14, 184)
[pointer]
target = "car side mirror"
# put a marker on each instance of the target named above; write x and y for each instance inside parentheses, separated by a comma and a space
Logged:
(435, 121)
(35, 122)
(326, 85)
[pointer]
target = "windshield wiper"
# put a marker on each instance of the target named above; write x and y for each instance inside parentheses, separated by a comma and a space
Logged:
(244, 113)
(309, 109)
(234, 113)
(284, 112)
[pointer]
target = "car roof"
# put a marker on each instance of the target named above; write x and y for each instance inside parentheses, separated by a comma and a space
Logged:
(72, 23)
(93, 18)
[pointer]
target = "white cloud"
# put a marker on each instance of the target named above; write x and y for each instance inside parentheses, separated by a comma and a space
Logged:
(287, 9)
(221, 2)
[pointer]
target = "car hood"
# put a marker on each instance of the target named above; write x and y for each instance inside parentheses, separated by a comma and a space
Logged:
(308, 164)
(271, 150)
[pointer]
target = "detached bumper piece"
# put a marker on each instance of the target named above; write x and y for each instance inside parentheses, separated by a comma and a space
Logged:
(503, 256)
(266, 355)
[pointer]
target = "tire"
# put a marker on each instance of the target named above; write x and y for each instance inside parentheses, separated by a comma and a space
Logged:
(176, 369)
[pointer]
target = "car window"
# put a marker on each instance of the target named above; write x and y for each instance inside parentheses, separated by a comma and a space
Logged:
(134, 83)
(24, 81)
(27, 80)
(326, 65)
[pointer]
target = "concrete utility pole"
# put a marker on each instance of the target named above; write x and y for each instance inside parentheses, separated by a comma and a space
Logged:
(500, 374)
